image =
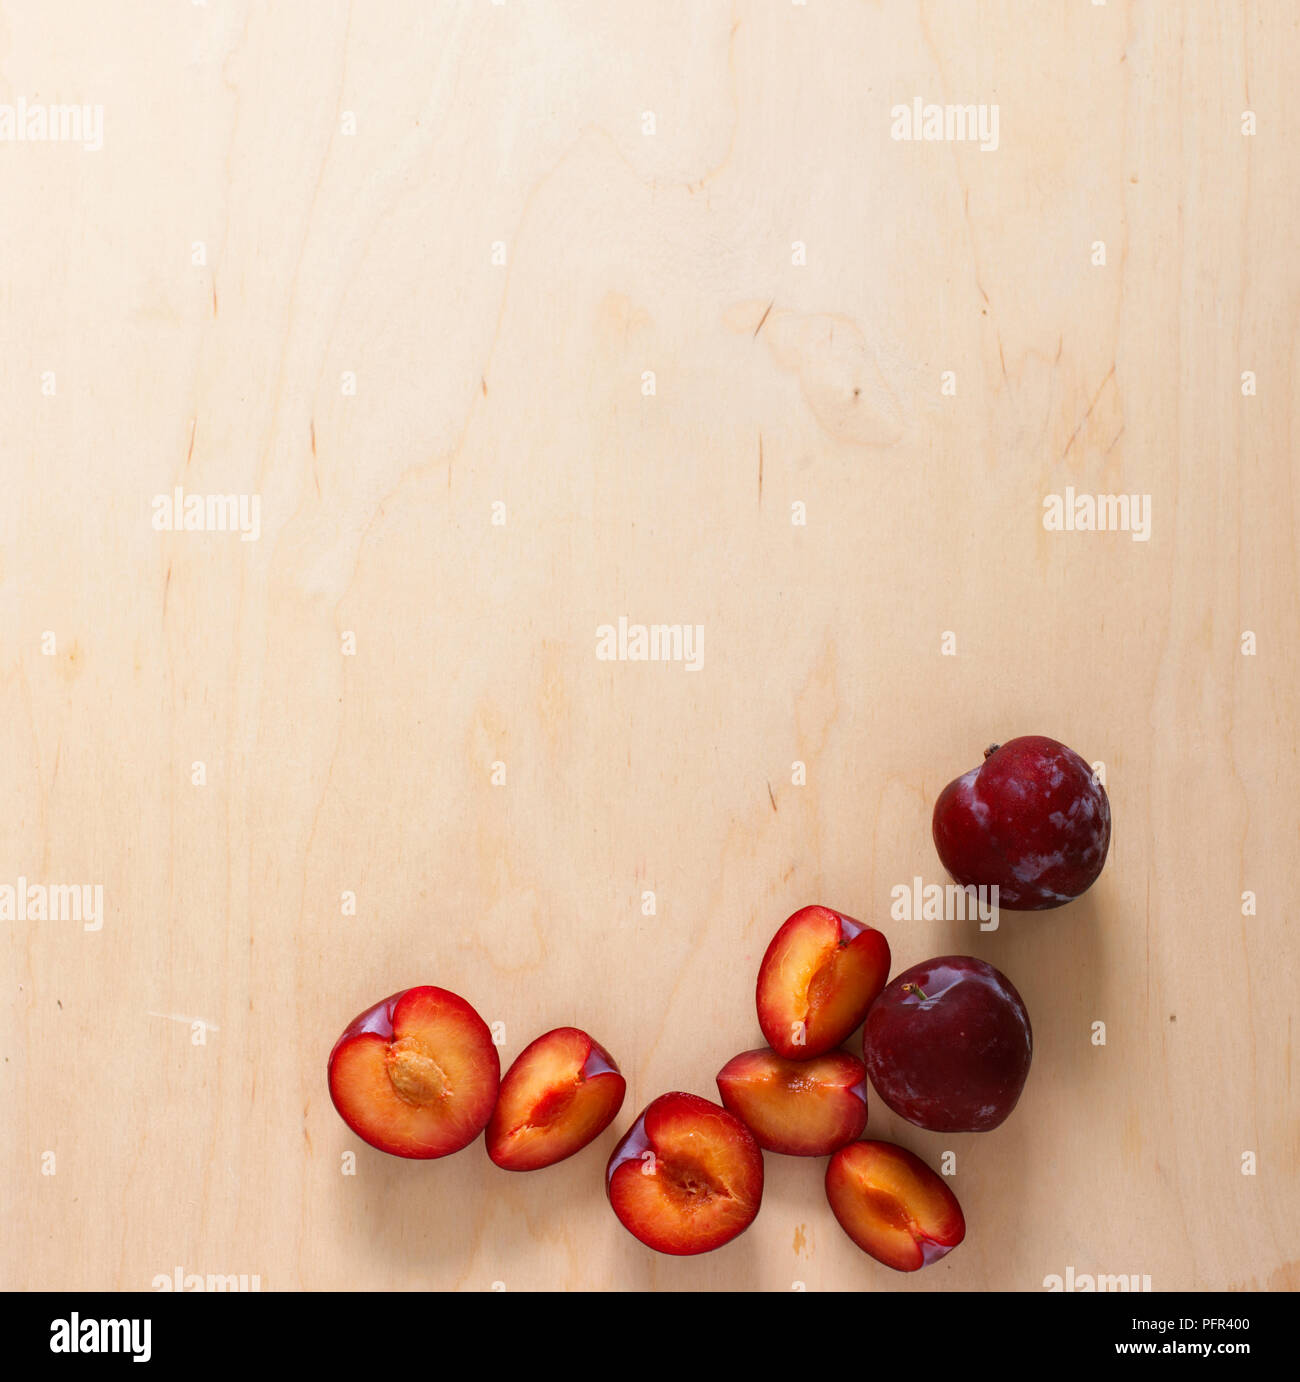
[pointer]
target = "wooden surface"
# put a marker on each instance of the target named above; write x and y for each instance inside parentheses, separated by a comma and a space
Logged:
(521, 384)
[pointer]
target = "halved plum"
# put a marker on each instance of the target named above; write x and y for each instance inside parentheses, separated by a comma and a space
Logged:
(417, 1074)
(820, 974)
(893, 1205)
(562, 1092)
(687, 1177)
(798, 1107)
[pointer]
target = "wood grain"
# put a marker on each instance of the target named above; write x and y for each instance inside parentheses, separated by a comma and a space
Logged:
(347, 171)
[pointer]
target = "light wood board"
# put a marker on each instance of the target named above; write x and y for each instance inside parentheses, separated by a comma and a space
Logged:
(289, 194)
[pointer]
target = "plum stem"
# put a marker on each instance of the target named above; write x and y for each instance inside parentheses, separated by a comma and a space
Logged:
(991, 750)
(916, 989)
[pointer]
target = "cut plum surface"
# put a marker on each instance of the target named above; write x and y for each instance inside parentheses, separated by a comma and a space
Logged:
(417, 1074)
(818, 977)
(893, 1205)
(800, 1108)
(687, 1177)
(561, 1093)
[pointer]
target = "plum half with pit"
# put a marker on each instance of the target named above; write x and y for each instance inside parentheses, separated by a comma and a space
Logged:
(1031, 820)
(416, 1075)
